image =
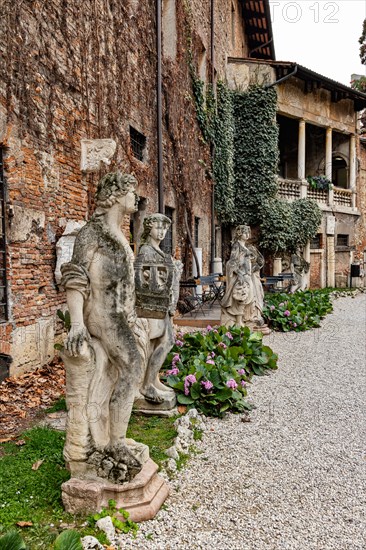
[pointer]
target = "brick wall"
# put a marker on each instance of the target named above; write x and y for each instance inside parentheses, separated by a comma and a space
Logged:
(71, 70)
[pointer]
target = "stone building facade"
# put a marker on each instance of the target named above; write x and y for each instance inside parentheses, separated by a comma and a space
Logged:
(360, 237)
(70, 71)
(318, 122)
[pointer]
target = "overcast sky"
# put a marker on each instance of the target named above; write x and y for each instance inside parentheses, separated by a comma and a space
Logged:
(321, 35)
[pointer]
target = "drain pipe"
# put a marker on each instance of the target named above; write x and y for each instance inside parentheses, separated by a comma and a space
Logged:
(281, 79)
(213, 232)
(189, 234)
(159, 109)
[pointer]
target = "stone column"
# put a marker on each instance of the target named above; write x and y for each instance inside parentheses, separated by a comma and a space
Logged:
(277, 269)
(328, 162)
(301, 158)
(330, 261)
(352, 168)
(277, 266)
(330, 228)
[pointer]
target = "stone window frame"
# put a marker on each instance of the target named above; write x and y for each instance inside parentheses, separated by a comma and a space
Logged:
(138, 144)
(342, 241)
(316, 243)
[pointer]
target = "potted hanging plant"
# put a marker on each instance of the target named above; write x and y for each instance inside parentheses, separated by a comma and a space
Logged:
(319, 182)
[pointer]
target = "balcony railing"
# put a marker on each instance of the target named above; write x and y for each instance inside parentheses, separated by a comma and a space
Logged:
(318, 195)
(342, 197)
(295, 189)
(289, 189)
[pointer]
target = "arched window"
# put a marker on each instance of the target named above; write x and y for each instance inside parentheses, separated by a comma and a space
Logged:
(339, 172)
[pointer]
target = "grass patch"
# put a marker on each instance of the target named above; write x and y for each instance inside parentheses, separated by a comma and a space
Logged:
(59, 405)
(34, 495)
(31, 495)
(156, 432)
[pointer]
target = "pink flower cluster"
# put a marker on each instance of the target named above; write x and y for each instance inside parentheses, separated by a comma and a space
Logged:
(179, 343)
(229, 335)
(188, 381)
(241, 371)
(286, 313)
(174, 371)
(232, 384)
(207, 385)
(222, 345)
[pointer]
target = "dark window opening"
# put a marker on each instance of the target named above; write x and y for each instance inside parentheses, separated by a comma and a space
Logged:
(316, 242)
(339, 172)
(233, 25)
(342, 240)
(196, 231)
(138, 144)
(167, 243)
(3, 280)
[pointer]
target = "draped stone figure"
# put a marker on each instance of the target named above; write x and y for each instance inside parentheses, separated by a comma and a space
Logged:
(297, 265)
(242, 304)
(157, 282)
(101, 356)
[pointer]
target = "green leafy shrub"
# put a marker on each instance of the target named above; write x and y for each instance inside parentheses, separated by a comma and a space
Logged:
(319, 182)
(210, 371)
(223, 161)
(298, 312)
(12, 541)
(68, 540)
(289, 226)
(256, 152)
(65, 318)
(125, 526)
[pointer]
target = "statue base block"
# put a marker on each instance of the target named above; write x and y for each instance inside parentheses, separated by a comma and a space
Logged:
(264, 329)
(142, 497)
(167, 408)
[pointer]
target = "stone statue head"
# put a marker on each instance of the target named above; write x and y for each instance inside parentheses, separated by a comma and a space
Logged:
(112, 186)
(241, 231)
(154, 220)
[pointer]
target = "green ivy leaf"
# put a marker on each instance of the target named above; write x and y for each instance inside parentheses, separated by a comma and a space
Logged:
(184, 399)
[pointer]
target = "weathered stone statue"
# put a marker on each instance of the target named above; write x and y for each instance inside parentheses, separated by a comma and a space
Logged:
(300, 268)
(157, 291)
(242, 304)
(103, 364)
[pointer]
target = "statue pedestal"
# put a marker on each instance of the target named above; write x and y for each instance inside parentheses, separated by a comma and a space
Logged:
(264, 329)
(142, 497)
(167, 408)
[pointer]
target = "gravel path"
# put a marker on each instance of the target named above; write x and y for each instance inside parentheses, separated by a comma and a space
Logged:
(295, 476)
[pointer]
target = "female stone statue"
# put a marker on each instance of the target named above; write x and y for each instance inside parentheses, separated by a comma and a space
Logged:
(160, 330)
(102, 360)
(243, 300)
